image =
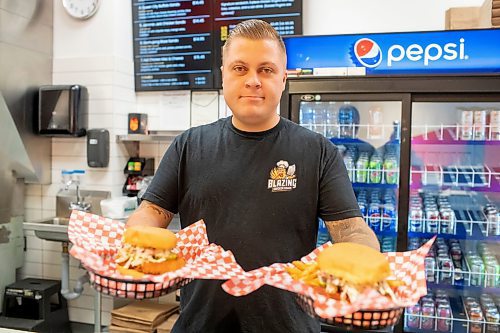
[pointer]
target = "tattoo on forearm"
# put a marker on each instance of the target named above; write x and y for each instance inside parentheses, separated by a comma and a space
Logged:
(352, 230)
(165, 214)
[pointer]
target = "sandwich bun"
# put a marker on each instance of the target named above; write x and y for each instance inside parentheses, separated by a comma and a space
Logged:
(146, 236)
(354, 263)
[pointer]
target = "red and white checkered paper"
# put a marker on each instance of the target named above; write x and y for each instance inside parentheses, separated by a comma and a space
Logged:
(96, 239)
(406, 266)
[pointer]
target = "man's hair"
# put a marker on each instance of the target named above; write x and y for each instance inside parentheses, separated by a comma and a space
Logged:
(256, 30)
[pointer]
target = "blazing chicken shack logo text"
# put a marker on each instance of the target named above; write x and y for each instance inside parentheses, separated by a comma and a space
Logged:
(282, 177)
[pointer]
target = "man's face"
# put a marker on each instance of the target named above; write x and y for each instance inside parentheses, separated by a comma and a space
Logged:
(253, 78)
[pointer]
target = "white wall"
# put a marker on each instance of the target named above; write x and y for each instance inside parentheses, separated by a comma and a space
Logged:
(98, 54)
(325, 17)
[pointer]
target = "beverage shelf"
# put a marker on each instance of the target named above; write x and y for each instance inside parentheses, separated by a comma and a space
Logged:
(458, 322)
(452, 135)
(357, 141)
(474, 230)
(462, 287)
(351, 131)
(374, 185)
(476, 178)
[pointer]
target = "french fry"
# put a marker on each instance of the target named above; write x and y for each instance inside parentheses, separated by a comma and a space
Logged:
(299, 264)
(395, 283)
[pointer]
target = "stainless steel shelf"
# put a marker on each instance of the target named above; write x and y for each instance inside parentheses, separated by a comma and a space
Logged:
(132, 141)
(154, 136)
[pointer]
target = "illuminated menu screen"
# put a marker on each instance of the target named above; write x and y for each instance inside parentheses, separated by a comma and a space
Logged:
(284, 15)
(172, 44)
(177, 44)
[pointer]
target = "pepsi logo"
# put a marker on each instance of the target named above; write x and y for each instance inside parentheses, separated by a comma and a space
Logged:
(368, 52)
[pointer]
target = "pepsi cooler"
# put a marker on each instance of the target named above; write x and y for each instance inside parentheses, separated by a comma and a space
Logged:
(416, 117)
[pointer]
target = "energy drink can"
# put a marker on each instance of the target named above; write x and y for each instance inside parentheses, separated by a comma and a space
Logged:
(492, 270)
(432, 220)
(430, 267)
(416, 223)
(428, 312)
(493, 220)
(413, 243)
(476, 318)
(476, 271)
(466, 123)
(456, 255)
(413, 316)
(480, 125)
(445, 265)
(495, 125)
(493, 319)
(447, 225)
(443, 312)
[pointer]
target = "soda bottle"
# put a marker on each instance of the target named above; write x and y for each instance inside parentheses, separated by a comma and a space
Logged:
(320, 118)
(332, 121)
(375, 129)
(374, 216)
(362, 169)
(375, 173)
(391, 170)
(348, 119)
(307, 117)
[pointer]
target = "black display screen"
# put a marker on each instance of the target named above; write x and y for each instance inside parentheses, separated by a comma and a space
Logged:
(177, 44)
(172, 44)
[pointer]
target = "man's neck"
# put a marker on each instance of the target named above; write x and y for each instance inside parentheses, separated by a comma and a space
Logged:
(260, 127)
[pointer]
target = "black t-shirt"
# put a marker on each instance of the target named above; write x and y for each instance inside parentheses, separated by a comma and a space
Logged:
(260, 195)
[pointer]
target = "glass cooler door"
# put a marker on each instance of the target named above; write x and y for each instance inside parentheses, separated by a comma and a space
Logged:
(366, 129)
(455, 194)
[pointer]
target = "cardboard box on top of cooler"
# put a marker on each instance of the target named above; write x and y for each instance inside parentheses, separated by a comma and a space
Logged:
(470, 17)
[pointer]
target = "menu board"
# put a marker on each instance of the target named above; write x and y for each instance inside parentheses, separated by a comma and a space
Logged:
(172, 44)
(178, 44)
(284, 15)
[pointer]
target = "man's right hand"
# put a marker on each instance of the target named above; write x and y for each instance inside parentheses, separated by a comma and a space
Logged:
(151, 215)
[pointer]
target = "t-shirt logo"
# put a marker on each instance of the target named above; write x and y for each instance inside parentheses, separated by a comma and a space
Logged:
(282, 177)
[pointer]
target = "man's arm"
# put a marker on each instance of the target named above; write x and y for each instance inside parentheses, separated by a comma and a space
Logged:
(352, 230)
(151, 215)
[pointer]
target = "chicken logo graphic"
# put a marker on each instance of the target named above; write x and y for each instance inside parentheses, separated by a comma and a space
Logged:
(282, 178)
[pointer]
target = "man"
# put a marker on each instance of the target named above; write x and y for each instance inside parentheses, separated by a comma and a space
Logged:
(259, 182)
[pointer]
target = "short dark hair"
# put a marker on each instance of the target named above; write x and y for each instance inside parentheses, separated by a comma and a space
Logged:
(256, 30)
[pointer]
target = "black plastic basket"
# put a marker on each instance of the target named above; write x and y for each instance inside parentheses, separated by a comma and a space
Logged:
(364, 319)
(134, 289)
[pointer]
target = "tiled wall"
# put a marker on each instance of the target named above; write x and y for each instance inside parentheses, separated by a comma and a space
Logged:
(110, 101)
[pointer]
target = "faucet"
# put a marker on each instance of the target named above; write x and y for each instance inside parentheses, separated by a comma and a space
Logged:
(79, 204)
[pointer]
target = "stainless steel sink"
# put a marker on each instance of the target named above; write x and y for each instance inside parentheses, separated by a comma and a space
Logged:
(54, 229)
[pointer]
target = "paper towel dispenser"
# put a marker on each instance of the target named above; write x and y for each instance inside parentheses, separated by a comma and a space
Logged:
(62, 110)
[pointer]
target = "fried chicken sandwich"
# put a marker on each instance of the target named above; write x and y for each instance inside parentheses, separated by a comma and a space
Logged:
(346, 269)
(148, 250)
